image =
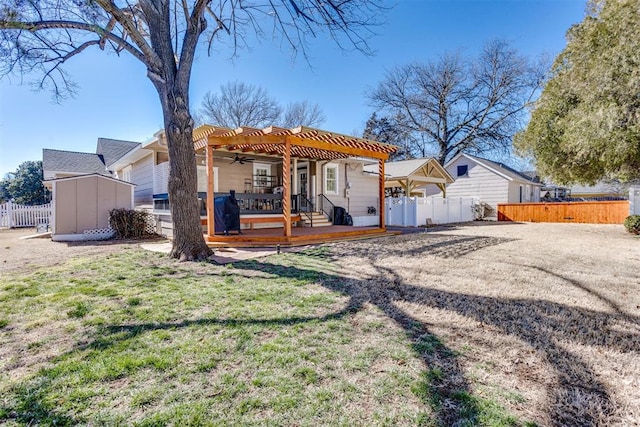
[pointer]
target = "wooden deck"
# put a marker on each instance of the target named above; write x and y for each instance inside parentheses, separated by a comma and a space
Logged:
(300, 236)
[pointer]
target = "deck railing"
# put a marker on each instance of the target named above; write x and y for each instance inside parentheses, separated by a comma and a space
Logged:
(325, 206)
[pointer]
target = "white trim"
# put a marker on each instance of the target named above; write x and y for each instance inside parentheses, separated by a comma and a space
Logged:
(91, 175)
(53, 207)
(130, 157)
(81, 237)
(324, 178)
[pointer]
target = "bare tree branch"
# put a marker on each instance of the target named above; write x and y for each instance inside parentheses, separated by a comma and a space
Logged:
(457, 104)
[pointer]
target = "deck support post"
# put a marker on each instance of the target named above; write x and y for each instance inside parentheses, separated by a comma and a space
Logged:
(211, 226)
(286, 184)
(381, 192)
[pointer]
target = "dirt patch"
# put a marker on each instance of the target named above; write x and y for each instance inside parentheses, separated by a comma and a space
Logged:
(27, 254)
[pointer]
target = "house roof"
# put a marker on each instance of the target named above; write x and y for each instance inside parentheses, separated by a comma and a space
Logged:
(304, 142)
(499, 168)
(72, 162)
(113, 149)
(424, 171)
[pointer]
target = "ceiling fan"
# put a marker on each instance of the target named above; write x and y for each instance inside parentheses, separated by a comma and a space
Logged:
(241, 159)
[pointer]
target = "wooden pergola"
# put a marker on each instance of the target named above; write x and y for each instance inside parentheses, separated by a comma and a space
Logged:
(291, 145)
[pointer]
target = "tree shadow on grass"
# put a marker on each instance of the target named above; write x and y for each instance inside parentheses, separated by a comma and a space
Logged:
(578, 398)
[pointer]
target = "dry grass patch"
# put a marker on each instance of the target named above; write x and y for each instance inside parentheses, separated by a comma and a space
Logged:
(497, 325)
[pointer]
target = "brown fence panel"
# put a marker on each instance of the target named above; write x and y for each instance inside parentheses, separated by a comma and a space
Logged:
(605, 212)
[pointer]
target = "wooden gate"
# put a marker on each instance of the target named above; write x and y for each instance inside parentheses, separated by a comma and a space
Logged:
(605, 212)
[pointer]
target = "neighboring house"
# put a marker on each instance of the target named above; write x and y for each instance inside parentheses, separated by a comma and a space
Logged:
(611, 190)
(489, 182)
(599, 190)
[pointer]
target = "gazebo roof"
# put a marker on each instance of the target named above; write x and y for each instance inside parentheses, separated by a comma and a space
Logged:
(418, 171)
(304, 142)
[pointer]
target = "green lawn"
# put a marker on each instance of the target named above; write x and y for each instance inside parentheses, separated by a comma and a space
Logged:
(139, 339)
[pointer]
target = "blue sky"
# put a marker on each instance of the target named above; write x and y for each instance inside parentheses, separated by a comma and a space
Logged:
(116, 100)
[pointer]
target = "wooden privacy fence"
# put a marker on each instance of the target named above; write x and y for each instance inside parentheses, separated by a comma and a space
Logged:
(605, 212)
(12, 215)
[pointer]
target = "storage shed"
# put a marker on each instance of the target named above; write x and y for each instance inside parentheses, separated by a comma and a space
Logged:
(81, 205)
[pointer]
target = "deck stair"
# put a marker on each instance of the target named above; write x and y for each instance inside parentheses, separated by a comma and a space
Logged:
(319, 220)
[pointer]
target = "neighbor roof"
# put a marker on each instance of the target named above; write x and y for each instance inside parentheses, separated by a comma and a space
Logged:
(499, 168)
(72, 161)
(113, 149)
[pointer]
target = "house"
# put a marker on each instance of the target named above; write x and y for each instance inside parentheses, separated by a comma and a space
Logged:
(489, 182)
(295, 175)
(310, 173)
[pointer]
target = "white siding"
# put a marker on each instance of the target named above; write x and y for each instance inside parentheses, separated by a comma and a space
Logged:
(481, 184)
(362, 194)
(142, 177)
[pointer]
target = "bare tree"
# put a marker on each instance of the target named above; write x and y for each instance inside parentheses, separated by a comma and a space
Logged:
(302, 114)
(42, 35)
(239, 104)
(456, 104)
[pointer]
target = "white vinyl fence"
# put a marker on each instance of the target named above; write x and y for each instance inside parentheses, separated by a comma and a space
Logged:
(414, 211)
(634, 200)
(12, 215)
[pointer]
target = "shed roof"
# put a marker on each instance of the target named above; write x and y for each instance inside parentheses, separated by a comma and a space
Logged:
(72, 162)
(304, 142)
(89, 175)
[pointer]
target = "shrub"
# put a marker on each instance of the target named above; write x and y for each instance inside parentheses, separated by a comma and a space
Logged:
(131, 224)
(632, 224)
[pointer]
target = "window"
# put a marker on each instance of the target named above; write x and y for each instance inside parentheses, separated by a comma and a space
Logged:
(331, 178)
(126, 174)
(261, 175)
(463, 170)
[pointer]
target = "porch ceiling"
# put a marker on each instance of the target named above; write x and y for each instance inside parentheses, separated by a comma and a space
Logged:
(307, 143)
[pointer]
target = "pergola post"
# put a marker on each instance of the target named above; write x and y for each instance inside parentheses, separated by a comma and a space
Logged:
(443, 188)
(381, 191)
(286, 184)
(294, 176)
(211, 226)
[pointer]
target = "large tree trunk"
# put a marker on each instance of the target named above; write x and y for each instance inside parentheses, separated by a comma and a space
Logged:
(171, 80)
(188, 238)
